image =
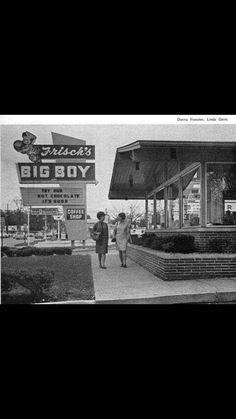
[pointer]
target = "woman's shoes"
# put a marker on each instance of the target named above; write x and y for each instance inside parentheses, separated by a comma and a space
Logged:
(103, 267)
(124, 266)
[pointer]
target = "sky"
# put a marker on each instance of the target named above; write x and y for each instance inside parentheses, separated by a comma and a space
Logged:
(106, 138)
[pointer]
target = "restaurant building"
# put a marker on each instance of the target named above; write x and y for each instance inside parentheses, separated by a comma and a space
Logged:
(191, 183)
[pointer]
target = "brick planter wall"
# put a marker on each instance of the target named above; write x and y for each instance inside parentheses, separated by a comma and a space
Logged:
(176, 266)
(203, 235)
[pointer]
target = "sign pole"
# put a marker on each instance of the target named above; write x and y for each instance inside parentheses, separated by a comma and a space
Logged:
(45, 227)
(58, 230)
(28, 229)
(7, 218)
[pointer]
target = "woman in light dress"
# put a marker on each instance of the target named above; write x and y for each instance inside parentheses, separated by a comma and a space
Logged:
(122, 234)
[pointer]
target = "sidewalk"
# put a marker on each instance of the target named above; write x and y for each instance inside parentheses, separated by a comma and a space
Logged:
(135, 285)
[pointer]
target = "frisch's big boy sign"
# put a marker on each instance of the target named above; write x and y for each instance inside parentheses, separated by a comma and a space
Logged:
(70, 169)
(36, 153)
(50, 172)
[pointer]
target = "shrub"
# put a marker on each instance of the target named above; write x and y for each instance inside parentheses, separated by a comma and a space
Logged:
(37, 281)
(135, 239)
(175, 243)
(147, 239)
(184, 244)
(4, 248)
(7, 251)
(169, 247)
(25, 251)
(37, 251)
(40, 251)
(218, 245)
(158, 242)
(7, 282)
(62, 250)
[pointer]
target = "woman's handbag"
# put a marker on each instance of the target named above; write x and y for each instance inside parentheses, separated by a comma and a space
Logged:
(114, 234)
(95, 235)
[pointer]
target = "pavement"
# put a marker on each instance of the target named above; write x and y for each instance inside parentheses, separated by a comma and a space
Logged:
(135, 285)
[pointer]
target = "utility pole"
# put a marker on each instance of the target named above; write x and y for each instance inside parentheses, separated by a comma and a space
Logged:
(58, 234)
(45, 227)
(7, 219)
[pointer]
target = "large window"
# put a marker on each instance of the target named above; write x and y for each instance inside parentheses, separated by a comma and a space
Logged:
(191, 199)
(221, 194)
(220, 198)
(173, 205)
(160, 209)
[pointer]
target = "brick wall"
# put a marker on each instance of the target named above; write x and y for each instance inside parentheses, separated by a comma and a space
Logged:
(170, 267)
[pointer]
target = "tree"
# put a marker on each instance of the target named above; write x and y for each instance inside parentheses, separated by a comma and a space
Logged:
(133, 214)
(142, 222)
(19, 205)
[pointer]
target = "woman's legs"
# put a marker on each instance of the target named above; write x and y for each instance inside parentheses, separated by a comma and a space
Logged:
(100, 259)
(124, 257)
(121, 257)
(103, 259)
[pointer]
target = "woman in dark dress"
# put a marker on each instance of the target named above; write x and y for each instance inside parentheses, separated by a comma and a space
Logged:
(102, 242)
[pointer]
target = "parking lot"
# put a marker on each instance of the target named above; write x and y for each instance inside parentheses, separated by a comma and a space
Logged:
(10, 241)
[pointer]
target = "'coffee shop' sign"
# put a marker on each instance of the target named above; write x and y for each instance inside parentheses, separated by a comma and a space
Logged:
(75, 213)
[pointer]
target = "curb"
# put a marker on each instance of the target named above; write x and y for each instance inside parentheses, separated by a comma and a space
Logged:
(218, 297)
(67, 302)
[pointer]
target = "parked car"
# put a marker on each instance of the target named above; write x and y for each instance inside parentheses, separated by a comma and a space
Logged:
(4, 235)
(49, 235)
(31, 237)
(20, 236)
(39, 235)
(138, 231)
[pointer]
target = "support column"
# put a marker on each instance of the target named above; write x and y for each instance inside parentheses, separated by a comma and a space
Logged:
(155, 210)
(203, 194)
(166, 203)
(180, 202)
(146, 212)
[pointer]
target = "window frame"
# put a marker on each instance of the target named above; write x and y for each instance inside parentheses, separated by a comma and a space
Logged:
(205, 198)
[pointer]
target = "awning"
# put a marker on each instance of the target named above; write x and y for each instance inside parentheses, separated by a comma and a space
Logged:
(142, 166)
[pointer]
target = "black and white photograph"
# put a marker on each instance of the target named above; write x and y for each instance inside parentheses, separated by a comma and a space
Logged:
(99, 210)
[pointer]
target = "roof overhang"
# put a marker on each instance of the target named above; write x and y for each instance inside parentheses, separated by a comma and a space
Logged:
(121, 186)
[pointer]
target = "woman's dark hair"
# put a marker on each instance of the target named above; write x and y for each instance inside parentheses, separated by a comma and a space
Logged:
(122, 215)
(100, 214)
